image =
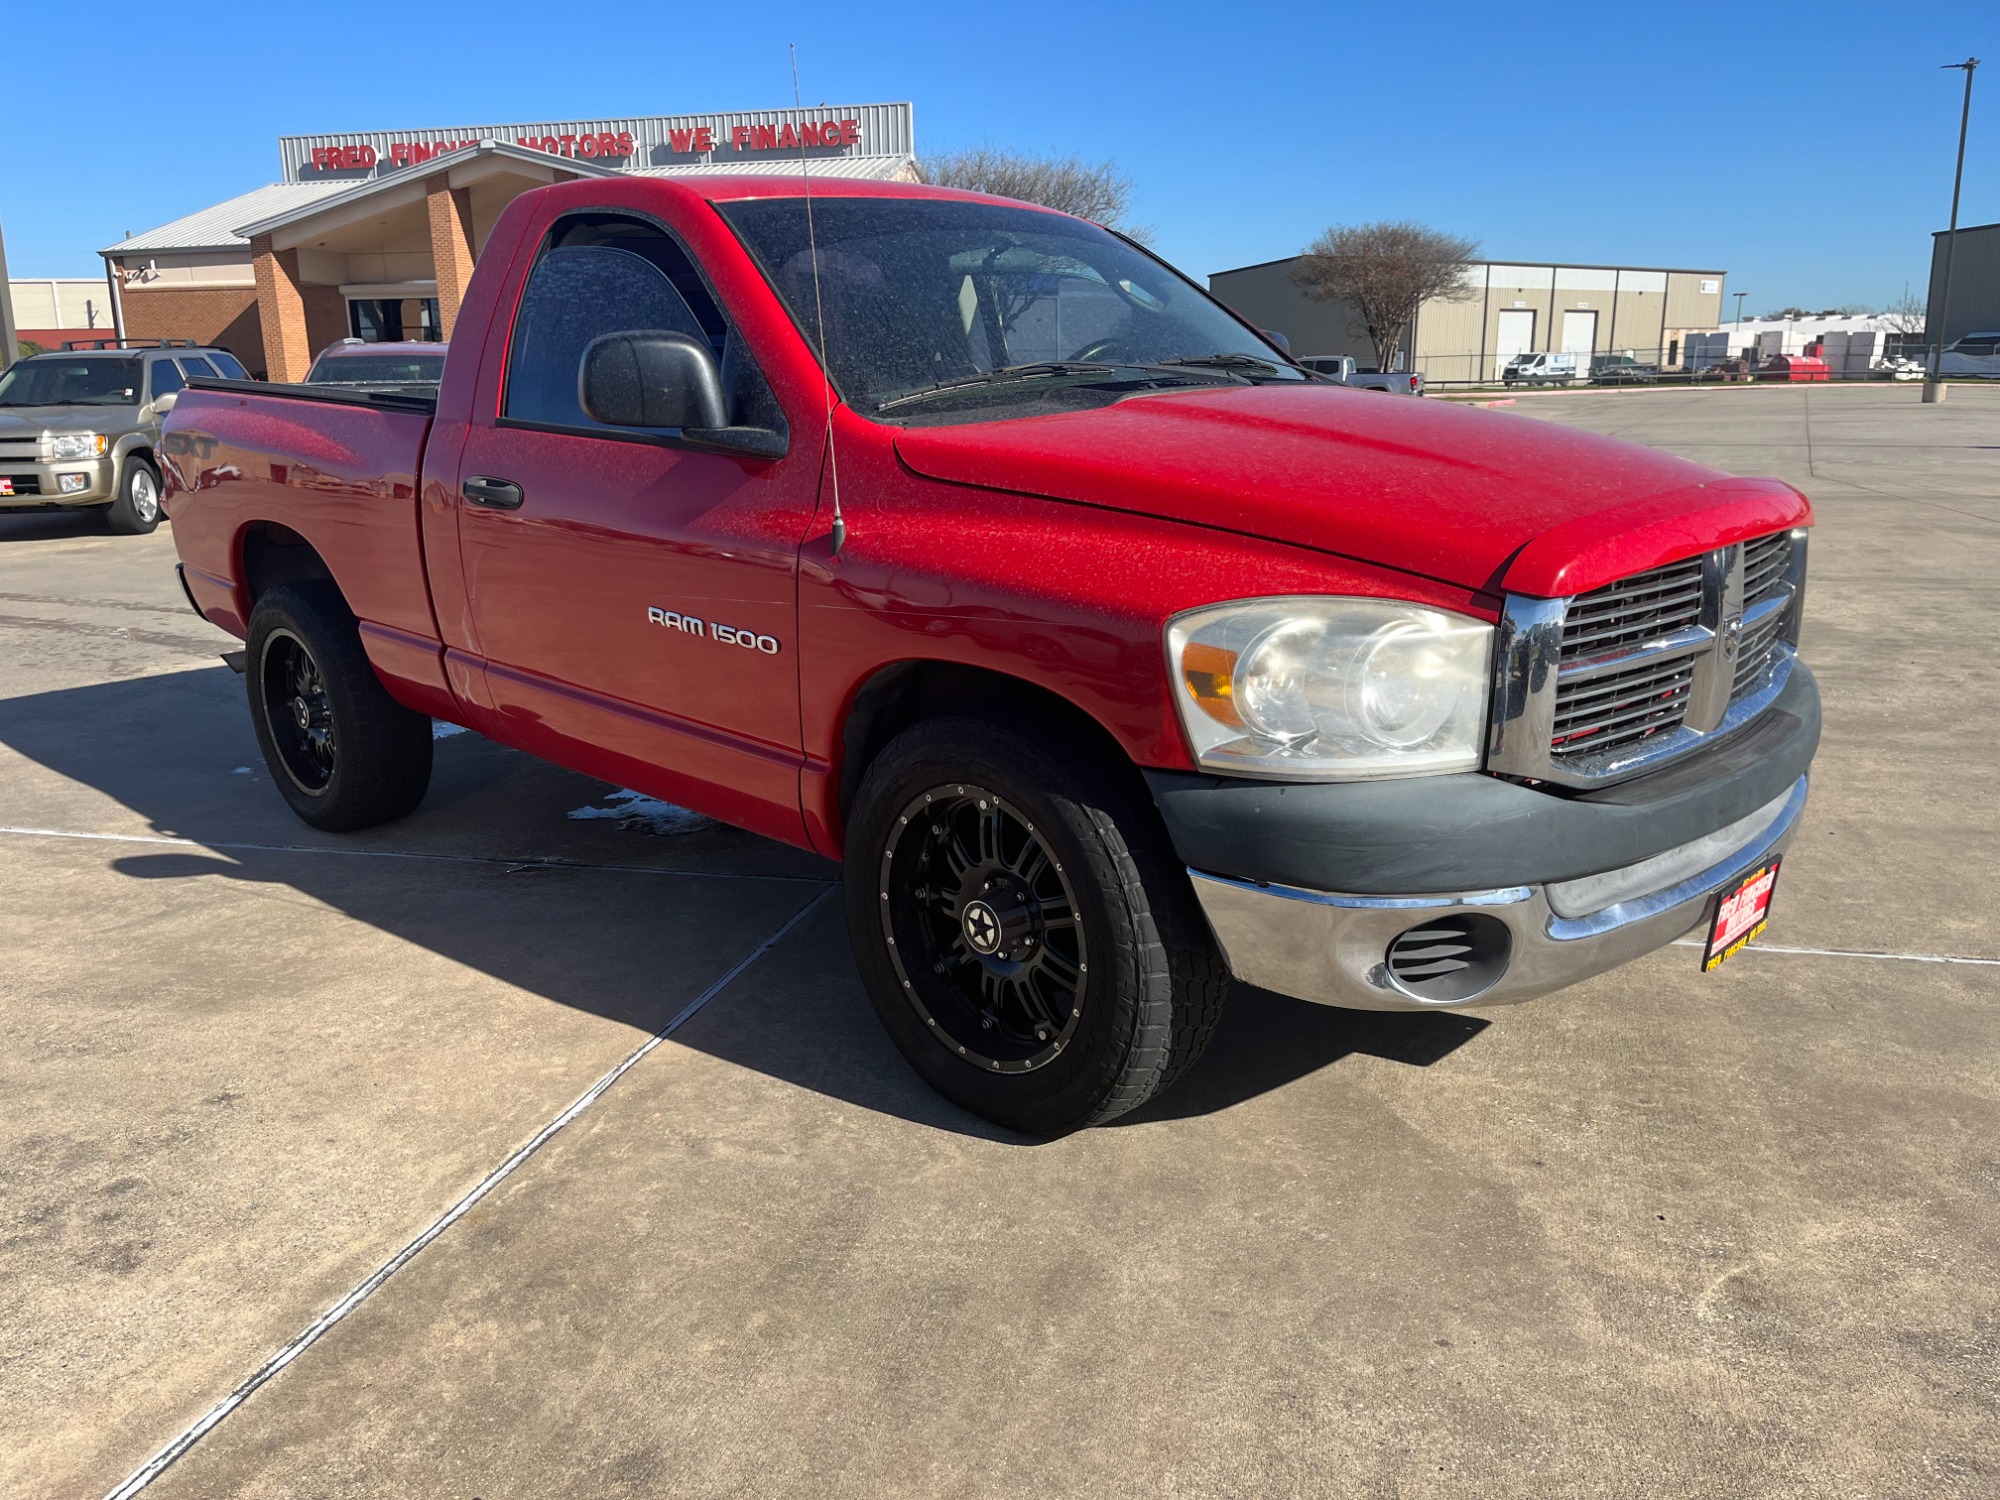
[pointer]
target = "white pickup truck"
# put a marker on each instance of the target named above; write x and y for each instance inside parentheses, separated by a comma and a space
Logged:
(1342, 368)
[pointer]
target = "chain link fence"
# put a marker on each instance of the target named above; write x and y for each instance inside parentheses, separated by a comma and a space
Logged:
(1696, 359)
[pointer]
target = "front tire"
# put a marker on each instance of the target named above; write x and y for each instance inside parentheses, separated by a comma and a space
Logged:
(136, 511)
(1023, 929)
(341, 751)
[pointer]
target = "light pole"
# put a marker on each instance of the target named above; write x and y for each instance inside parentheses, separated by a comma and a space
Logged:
(1739, 310)
(1934, 383)
(9, 349)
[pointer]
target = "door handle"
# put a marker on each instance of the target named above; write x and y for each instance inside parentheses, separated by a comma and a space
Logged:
(496, 494)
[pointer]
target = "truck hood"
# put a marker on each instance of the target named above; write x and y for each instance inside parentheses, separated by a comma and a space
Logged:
(1466, 496)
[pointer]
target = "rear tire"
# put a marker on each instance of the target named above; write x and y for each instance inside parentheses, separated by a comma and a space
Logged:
(340, 750)
(136, 511)
(1037, 955)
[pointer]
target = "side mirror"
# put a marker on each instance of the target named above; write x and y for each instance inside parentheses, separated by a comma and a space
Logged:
(1277, 338)
(164, 404)
(651, 378)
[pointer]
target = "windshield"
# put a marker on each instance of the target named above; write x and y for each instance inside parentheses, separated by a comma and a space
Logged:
(921, 291)
(377, 369)
(71, 382)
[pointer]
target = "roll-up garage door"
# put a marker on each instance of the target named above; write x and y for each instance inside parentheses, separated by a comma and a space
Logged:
(1517, 336)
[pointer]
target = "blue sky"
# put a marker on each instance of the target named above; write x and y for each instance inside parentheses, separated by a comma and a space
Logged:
(1805, 148)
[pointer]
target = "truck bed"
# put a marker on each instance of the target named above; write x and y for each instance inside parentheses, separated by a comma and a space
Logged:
(254, 469)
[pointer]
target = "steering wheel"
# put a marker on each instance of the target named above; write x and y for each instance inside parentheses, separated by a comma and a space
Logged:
(1113, 348)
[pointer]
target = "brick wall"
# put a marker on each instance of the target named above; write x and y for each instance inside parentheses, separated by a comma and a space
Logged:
(326, 316)
(209, 315)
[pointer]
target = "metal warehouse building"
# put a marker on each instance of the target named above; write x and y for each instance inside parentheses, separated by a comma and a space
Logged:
(1503, 309)
(1975, 283)
(373, 235)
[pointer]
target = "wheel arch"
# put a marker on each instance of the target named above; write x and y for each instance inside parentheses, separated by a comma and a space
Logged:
(898, 695)
(271, 554)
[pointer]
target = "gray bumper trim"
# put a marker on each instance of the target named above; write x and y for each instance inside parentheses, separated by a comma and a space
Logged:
(1329, 948)
(1472, 831)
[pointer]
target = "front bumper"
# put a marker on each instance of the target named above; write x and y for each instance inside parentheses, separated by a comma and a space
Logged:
(39, 485)
(1334, 949)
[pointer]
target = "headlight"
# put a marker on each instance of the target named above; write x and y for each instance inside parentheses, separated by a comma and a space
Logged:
(1322, 689)
(76, 445)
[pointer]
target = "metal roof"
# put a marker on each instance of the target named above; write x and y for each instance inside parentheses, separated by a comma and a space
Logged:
(218, 228)
(215, 228)
(351, 192)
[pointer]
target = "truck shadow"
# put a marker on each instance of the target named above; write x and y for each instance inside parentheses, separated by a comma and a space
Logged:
(50, 525)
(492, 873)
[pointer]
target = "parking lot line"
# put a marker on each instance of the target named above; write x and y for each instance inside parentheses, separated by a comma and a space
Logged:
(527, 862)
(1901, 958)
(320, 1327)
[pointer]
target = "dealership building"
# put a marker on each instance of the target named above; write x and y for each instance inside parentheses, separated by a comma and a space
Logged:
(1501, 309)
(373, 234)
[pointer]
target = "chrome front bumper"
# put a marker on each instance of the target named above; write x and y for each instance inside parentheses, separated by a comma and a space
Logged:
(1333, 949)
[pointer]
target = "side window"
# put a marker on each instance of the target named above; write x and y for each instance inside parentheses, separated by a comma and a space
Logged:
(576, 294)
(195, 365)
(228, 364)
(166, 377)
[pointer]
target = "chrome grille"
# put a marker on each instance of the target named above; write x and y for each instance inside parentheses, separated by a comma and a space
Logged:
(1753, 653)
(1633, 611)
(1596, 687)
(1765, 562)
(1621, 708)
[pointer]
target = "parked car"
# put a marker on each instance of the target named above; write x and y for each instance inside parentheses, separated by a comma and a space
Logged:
(1540, 369)
(1342, 368)
(80, 426)
(1976, 354)
(1621, 369)
(1113, 654)
(382, 367)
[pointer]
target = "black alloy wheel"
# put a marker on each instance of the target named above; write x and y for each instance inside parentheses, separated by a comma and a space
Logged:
(298, 712)
(1025, 932)
(985, 933)
(342, 752)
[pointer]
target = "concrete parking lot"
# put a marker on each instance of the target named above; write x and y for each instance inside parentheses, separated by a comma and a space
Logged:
(1664, 1234)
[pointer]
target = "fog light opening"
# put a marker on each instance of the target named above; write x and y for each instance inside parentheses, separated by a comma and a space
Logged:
(1449, 960)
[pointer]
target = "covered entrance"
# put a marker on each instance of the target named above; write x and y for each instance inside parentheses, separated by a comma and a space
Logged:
(388, 260)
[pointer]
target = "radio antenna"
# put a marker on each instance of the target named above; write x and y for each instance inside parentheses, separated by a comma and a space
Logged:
(819, 309)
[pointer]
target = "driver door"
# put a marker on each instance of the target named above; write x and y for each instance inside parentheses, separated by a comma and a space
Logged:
(635, 599)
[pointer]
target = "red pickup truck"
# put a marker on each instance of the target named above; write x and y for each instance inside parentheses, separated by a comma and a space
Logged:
(970, 544)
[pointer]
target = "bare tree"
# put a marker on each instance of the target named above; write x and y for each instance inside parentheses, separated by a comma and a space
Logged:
(1905, 316)
(1097, 191)
(1388, 271)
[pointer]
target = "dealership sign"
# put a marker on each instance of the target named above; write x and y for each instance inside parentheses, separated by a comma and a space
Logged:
(655, 140)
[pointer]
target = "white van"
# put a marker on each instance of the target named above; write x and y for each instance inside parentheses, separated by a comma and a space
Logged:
(1540, 369)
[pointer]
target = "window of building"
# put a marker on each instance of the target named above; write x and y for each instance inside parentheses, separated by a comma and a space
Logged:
(394, 320)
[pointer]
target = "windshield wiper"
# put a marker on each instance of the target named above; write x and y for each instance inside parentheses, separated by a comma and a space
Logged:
(1224, 362)
(1000, 376)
